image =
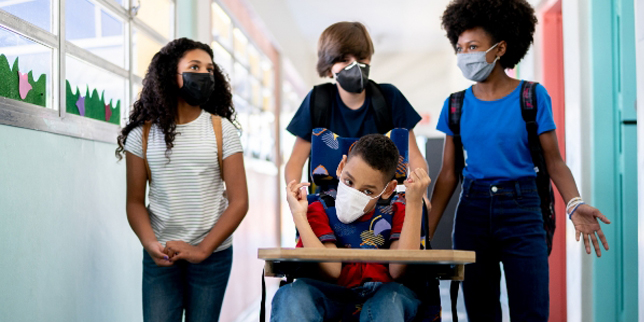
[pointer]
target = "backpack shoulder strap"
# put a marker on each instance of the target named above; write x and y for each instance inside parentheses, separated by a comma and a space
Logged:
(382, 110)
(144, 145)
(529, 114)
(321, 101)
(216, 126)
(529, 103)
(454, 122)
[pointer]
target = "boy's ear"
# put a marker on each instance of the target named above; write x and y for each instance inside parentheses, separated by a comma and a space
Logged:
(391, 188)
(341, 165)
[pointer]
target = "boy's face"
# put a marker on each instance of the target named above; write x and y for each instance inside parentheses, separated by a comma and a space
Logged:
(348, 59)
(359, 175)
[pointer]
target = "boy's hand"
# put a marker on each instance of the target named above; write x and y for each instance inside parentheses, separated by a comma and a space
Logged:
(296, 197)
(178, 249)
(416, 185)
(156, 251)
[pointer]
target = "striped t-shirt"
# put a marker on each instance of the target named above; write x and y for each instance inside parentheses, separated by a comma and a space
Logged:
(186, 190)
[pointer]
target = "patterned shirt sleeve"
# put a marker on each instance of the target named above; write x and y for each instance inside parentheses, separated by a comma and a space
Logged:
(319, 223)
(398, 220)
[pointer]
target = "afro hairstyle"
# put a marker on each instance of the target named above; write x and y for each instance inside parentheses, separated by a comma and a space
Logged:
(510, 20)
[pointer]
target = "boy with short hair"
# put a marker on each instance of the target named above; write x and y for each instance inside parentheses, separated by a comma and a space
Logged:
(365, 289)
(355, 105)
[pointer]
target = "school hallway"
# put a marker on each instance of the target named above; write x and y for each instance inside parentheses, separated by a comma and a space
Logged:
(71, 70)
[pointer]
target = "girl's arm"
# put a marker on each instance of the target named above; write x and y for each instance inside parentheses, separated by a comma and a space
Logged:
(296, 197)
(416, 159)
(585, 217)
(294, 165)
(444, 188)
(416, 185)
(237, 194)
(137, 214)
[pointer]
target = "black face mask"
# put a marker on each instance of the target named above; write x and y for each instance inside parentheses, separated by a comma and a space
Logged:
(354, 78)
(197, 87)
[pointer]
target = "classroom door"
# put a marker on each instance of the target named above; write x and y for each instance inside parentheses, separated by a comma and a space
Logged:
(615, 157)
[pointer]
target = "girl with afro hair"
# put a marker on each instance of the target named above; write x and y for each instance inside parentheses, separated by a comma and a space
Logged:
(186, 229)
(499, 215)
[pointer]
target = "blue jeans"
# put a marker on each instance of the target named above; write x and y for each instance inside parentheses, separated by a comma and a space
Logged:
(311, 300)
(503, 223)
(196, 288)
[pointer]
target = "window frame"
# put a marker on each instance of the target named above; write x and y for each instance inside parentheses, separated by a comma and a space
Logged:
(56, 119)
(246, 103)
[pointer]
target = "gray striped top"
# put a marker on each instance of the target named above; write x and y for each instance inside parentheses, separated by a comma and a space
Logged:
(186, 191)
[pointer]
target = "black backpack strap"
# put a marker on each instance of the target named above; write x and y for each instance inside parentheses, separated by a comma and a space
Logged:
(321, 102)
(453, 297)
(544, 187)
(454, 121)
(262, 309)
(381, 110)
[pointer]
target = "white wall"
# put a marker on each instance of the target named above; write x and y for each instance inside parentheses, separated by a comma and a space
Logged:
(68, 251)
(425, 78)
(578, 151)
(639, 35)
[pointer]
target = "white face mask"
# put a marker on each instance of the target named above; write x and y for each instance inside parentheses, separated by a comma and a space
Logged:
(350, 203)
(475, 66)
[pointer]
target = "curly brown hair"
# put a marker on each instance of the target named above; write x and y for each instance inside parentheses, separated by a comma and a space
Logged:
(510, 20)
(159, 96)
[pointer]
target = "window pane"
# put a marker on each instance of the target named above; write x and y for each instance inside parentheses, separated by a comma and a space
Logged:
(222, 27)
(93, 92)
(159, 15)
(240, 46)
(222, 58)
(25, 69)
(241, 83)
(37, 12)
(93, 28)
(144, 49)
(254, 62)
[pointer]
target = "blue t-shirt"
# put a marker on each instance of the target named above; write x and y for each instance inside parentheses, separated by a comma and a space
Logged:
(494, 135)
(350, 123)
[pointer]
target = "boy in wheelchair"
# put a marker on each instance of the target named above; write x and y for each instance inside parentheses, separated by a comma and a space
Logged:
(352, 291)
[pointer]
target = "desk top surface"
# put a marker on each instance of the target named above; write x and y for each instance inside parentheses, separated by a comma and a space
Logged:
(431, 256)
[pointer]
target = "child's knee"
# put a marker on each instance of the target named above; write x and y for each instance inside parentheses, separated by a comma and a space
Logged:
(296, 292)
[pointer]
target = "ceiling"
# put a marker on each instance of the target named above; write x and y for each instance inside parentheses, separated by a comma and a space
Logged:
(394, 25)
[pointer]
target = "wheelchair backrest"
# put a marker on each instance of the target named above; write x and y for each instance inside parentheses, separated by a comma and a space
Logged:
(327, 149)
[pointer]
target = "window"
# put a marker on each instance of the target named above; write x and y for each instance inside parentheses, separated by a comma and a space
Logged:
(251, 74)
(96, 74)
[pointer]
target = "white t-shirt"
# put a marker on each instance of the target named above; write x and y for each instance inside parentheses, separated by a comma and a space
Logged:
(186, 190)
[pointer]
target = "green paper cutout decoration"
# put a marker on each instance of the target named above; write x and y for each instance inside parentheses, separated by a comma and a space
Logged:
(95, 106)
(10, 84)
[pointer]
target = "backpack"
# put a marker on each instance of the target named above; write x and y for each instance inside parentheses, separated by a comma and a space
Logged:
(529, 114)
(322, 98)
(216, 126)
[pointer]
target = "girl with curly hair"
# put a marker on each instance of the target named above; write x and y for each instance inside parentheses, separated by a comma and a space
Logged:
(186, 230)
(499, 215)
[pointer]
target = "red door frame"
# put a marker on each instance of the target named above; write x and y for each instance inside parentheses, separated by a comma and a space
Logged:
(553, 79)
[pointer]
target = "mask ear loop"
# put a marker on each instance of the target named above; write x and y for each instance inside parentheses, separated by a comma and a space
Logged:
(497, 57)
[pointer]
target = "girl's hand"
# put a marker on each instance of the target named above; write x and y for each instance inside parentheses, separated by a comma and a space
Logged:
(178, 250)
(416, 185)
(296, 197)
(586, 223)
(156, 251)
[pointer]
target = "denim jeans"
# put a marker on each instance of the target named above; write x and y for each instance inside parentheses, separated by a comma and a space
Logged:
(311, 300)
(196, 288)
(503, 223)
